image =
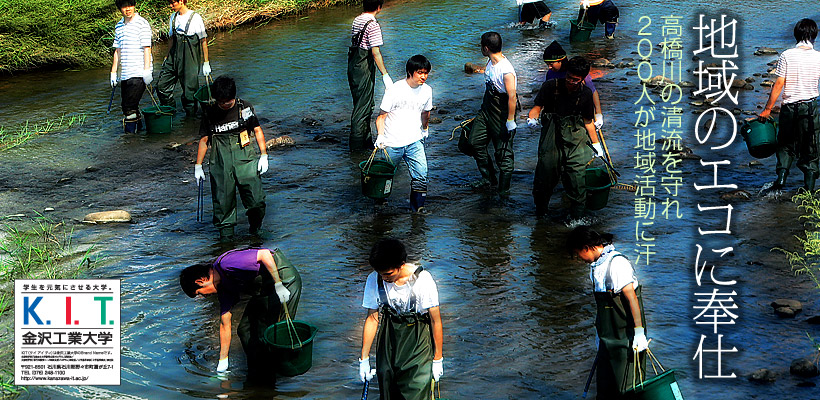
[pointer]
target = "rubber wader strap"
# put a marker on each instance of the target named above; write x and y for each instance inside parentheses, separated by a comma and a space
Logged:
(356, 40)
(383, 293)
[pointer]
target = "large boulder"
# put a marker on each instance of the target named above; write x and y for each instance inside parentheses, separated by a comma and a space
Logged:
(105, 217)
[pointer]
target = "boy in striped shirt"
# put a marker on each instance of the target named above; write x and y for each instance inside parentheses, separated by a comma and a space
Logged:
(798, 74)
(132, 41)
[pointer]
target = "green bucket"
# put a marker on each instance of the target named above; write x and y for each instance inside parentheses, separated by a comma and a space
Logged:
(580, 32)
(158, 119)
(760, 137)
(203, 96)
(661, 387)
(294, 355)
(598, 184)
(377, 178)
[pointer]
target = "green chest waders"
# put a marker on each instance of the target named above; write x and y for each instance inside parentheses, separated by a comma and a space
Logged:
(232, 169)
(263, 310)
(181, 65)
(404, 357)
(797, 138)
(616, 328)
(551, 155)
(490, 126)
(361, 71)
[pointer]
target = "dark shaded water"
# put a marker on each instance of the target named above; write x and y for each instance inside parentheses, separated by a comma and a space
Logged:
(517, 310)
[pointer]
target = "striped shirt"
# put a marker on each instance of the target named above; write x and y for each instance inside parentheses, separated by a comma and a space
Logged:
(131, 38)
(372, 36)
(800, 67)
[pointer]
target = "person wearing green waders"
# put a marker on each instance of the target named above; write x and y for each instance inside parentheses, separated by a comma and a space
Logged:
(229, 126)
(566, 110)
(189, 49)
(363, 57)
(495, 121)
(403, 312)
(619, 322)
(798, 73)
(132, 54)
(269, 278)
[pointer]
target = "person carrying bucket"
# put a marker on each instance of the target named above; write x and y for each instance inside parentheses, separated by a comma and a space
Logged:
(189, 49)
(271, 281)
(403, 312)
(534, 11)
(798, 73)
(600, 11)
(402, 125)
(363, 57)
(565, 109)
(556, 59)
(228, 126)
(619, 322)
(132, 44)
(495, 121)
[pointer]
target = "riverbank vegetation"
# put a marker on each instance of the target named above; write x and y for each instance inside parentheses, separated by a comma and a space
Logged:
(54, 34)
(11, 137)
(32, 248)
(806, 260)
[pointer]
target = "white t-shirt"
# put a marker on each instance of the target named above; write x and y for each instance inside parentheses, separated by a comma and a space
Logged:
(404, 106)
(495, 73)
(131, 39)
(399, 296)
(621, 272)
(197, 24)
(801, 68)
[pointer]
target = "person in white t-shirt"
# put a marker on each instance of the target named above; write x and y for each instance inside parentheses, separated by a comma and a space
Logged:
(495, 121)
(798, 73)
(402, 125)
(410, 333)
(132, 41)
(619, 323)
(189, 49)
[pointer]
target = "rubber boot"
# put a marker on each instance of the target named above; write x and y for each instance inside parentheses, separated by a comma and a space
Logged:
(131, 123)
(609, 30)
(780, 182)
(504, 180)
(417, 200)
(226, 234)
(809, 179)
(255, 222)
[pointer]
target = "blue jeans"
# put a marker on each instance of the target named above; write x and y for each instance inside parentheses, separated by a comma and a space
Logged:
(413, 155)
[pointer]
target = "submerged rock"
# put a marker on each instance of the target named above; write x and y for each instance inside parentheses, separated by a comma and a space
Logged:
(804, 368)
(104, 217)
(793, 304)
(434, 120)
(763, 375)
(324, 137)
(281, 141)
(310, 121)
(784, 312)
(91, 168)
(765, 51)
(736, 195)
(658, 81)
(471, 68)
(815, 320)
(767, 83)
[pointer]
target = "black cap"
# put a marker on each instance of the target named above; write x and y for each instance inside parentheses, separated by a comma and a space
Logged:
(554, 52)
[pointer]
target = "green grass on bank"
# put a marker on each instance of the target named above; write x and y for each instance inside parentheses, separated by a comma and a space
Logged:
(34, 248)
(11, 137)
(50, 34)
(806, 260)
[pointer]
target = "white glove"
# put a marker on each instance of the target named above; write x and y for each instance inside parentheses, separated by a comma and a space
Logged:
(262, 166)
(282, 292)
(599, 121)
(206, 68)
(585, 3)
(387, 81)
(532, 122)
(438, 368)
(148, 76)
(639, 341)
(511, 125)
(380, 144)
(199, 174)
(425, 132)
(599, 152)
(114, 79)
(222, 366)
(365, 373)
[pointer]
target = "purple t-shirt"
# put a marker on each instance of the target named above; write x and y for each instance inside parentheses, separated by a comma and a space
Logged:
(237, 269)
(563, 74)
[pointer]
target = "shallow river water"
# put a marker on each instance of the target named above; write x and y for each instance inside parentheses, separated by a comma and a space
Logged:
(518, 313)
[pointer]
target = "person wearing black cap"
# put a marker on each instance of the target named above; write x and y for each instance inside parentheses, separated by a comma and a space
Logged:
(567, 140)
(556, 59)
(603, 11)
(530, 11)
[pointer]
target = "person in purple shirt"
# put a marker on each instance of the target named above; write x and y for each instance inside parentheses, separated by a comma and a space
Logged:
(556, 59)
(270, 279)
